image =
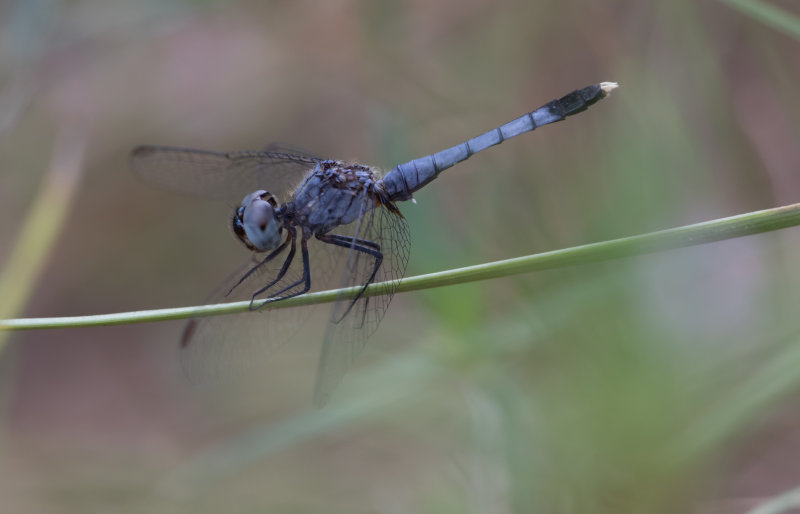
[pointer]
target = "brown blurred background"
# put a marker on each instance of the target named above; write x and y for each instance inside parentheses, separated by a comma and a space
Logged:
(664, 383)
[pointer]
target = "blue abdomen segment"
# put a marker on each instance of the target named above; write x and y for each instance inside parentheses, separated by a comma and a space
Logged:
(406, 178)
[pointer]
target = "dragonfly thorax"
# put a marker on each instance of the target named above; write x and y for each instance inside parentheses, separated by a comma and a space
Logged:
(255, 222)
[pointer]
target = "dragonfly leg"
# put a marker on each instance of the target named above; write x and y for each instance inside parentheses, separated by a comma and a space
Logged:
(348, 240)
(272, 255)
(359, 245)
(284, 267)
(305, 279)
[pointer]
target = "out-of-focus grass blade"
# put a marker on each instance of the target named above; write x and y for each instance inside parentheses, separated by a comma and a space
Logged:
(41, 224)
(770, 15)
(230, 456)
(777, 378)
(778, 504)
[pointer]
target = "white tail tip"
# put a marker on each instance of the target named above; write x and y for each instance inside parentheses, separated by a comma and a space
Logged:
(608, 87)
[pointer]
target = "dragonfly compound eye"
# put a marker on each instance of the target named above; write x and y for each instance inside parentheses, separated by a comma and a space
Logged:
(261, 231)
(238, 226)
(267, 197)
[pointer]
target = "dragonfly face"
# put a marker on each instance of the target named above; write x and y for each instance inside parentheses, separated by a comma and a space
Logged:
(255, 222)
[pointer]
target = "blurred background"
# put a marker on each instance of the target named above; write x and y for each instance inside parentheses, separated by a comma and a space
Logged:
(663, 383)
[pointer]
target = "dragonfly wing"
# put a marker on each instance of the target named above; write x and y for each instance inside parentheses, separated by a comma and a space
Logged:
(353, 322)
(219, 349)
(219, 175)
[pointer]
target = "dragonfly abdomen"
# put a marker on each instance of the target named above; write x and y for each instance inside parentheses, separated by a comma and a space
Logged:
(406, 178)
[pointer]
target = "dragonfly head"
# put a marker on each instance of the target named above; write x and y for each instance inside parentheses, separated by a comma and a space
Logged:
(255, 222)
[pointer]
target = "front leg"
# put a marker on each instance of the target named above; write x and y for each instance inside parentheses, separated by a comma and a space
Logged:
(289, 236)
(305, 279)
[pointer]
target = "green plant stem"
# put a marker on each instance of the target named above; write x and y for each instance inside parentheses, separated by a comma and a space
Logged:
(690, 235)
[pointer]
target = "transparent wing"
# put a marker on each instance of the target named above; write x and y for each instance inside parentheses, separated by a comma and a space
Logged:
(222, 349)
(224, 176)
(352, 323)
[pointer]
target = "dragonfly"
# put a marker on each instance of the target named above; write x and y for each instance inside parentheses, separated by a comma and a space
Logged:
(307, 221)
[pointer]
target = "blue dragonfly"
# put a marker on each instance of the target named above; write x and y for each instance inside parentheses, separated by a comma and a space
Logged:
(319, 219)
